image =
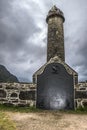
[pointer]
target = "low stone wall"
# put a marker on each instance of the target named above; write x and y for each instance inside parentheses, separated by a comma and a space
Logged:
(81, 95)
(18, 94)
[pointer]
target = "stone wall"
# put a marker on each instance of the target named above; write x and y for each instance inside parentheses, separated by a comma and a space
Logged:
(81, 94)
(18, 94)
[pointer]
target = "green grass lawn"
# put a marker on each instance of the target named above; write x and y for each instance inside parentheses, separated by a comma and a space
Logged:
(33, 109)
(19, 109)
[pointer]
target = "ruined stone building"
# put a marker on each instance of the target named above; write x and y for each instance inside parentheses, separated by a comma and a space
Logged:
(55, 85)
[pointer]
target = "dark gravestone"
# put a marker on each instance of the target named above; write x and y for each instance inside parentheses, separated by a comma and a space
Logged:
(2, 94)
(27, 95)
(55, 89)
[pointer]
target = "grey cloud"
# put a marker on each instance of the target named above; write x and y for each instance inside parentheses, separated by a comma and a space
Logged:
(4, 5)
(75, 36)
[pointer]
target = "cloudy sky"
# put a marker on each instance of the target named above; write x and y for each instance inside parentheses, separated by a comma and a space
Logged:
(23, 34)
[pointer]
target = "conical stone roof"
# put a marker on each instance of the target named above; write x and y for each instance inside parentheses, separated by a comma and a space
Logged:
(55, 12)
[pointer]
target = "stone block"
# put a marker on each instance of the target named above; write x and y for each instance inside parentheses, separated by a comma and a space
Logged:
(27, 95)
(2, 94)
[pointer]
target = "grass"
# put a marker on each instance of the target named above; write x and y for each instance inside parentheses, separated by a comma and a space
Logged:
(33, 109)
(5, 122)
(19, 109)
(82, 110)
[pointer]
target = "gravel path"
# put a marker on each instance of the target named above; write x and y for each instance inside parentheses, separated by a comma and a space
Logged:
(49, 121)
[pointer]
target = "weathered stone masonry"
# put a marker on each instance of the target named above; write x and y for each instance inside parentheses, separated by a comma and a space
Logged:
(55, 45)
(18, 94)
(81, 94)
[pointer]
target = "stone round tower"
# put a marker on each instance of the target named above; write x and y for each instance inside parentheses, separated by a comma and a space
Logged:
(55, 45)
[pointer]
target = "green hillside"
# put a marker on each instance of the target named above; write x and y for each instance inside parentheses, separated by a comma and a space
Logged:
(6, 76)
